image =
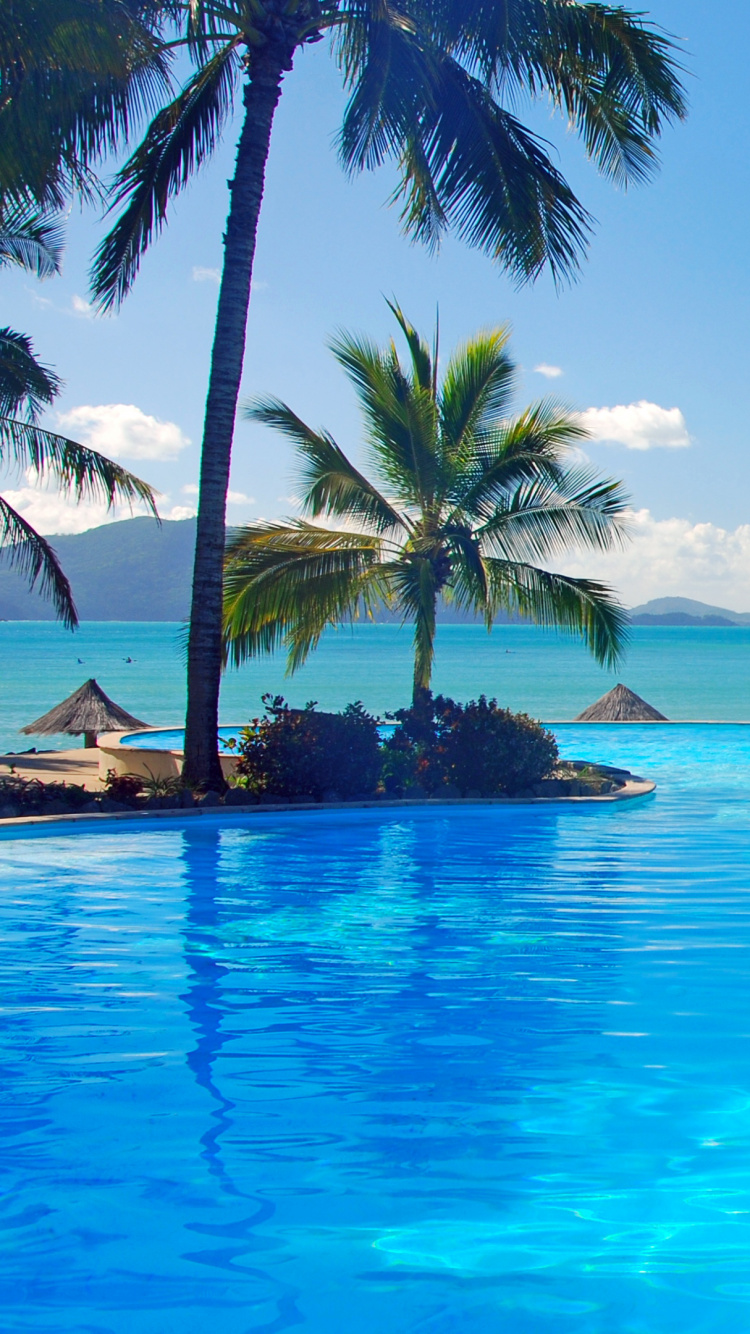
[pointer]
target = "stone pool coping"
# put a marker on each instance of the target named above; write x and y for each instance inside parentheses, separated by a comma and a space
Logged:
(634, 787)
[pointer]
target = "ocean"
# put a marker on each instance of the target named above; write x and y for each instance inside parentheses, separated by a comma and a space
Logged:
(687, 673)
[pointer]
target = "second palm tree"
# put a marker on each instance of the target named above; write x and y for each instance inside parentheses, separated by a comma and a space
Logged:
(467, 500)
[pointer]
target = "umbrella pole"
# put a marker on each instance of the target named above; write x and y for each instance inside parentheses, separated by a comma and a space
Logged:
(89, 740)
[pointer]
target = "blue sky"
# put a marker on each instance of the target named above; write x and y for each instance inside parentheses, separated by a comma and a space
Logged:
(659, 317)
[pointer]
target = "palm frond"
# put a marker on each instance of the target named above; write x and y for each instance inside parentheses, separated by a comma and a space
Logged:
(178, 141)
(478, 383)
(389, 69)
(400, 417)
(419, 351)
(497, 186)
(616, 80)
(85, 473)
(74, 75)
(580, 607)
(285, 583)
(31, 239)
(331, 485)
(468, 587)
(527, 448)
(25, 550)
(24, 382)
(544, 519)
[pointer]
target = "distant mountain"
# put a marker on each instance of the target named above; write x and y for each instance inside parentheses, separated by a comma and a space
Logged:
(134, 570)
(685, 611)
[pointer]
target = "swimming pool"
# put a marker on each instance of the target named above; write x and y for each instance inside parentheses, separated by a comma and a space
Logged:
(444, 1070)
(173, 738)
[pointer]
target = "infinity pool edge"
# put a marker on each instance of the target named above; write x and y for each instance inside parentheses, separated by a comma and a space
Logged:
(634, 788)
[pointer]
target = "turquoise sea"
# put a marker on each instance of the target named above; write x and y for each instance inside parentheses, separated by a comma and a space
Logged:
(686, 673)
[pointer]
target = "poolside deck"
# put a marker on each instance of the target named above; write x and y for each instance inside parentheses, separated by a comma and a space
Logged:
(79, 766)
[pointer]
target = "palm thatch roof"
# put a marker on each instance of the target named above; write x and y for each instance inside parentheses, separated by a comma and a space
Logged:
(621, 706)
(87, 710)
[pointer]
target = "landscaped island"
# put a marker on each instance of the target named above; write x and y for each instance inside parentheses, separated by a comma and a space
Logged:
(435, 750)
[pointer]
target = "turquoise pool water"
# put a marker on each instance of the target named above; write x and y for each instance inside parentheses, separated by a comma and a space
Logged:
(436, 1071)
(172, 738)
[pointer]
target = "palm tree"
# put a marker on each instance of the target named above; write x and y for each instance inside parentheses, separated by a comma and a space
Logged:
(430, 84)
(32, 241)
(466, 500)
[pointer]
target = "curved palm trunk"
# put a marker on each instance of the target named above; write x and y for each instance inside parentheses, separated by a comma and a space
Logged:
(424, 644)
(261, 96)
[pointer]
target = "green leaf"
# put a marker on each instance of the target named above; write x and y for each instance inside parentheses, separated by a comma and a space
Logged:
(24, 549)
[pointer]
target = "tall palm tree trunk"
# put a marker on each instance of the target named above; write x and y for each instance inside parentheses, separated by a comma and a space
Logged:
(202, 767)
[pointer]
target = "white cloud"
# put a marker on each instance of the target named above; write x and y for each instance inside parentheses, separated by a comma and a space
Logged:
(201, 275)
(233, 497)
(640, 426)
(122, 431)
(81, 307)
(551, 372)
(51, 512)
(179, 512)
(675, 558)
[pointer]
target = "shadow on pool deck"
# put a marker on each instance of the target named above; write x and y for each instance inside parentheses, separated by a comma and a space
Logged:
(57, 766)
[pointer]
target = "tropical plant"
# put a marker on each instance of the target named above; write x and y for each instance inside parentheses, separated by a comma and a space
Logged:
(32, 240)
(466, 500)
(475, 747)
(293, 753)
(74, 75)
(430, 83)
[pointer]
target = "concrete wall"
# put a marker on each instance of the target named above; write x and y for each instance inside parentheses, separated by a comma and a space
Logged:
(146, 763)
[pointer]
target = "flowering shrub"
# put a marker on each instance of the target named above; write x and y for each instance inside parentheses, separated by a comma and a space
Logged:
(122, 787)
(475, 747)
(293, 753)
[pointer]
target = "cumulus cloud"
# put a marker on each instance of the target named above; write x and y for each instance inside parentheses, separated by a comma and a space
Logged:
(551, 372)
(179, 512)
(122, 431)
(51, 512)
(201, 275)
(233, 497)
(675, 558)
(641, 425)
(81, 307)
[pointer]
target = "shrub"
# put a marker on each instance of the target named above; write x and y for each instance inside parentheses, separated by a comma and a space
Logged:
(31, 797)
(292, 753)
(122, 787)
(478, 747)
(491, 750)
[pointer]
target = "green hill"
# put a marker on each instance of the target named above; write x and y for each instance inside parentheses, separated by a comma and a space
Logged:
(134, 570)
(685, 611)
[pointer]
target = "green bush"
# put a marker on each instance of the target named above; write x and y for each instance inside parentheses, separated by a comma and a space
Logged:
(300, 753)
(31, 797)
(475, 747)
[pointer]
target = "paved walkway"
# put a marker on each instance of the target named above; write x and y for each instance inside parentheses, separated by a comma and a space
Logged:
(57, 766)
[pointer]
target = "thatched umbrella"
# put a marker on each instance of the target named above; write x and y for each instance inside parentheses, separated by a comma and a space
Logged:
(88, 711)
(621, 706)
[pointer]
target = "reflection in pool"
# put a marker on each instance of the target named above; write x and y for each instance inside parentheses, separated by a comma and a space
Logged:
(433, 1070)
